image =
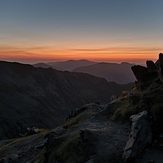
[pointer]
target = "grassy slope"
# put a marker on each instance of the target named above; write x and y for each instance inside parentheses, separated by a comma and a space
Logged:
(148, 96)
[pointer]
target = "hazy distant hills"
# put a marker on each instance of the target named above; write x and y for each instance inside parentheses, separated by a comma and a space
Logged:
(43, 65)
(43, 97)
(120, 73)
(46, 65)
(65, 65)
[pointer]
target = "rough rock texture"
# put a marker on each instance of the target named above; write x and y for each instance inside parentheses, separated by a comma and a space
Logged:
(151, 66)
(88, 137)
(141, 73)
(159, 65)
(161, 59)
(140, 136)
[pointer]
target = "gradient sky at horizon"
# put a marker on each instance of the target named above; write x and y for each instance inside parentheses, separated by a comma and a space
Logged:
(102, 30)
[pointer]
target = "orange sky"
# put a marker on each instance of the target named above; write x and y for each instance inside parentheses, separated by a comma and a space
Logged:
(107, 30)
(111, 54)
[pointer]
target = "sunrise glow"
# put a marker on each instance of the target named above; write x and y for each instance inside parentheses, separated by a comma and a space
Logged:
(109, 31)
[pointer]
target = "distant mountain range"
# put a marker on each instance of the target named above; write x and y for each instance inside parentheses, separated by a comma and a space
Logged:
(119, 73)
(43, 97)
(69, 65)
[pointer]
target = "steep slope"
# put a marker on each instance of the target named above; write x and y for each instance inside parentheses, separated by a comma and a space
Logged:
(98, 134)
(43, 97)
(90, 136)
(120, 73)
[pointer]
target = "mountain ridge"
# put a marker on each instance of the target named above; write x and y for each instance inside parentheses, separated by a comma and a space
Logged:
(116, 72)
(43, 97)
(120, 73)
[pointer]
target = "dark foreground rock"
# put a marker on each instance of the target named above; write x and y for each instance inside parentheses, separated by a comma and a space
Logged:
(141, 73)
(151, 66)
(140, 136)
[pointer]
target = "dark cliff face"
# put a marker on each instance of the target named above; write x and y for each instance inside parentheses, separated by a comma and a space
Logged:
(44, 97)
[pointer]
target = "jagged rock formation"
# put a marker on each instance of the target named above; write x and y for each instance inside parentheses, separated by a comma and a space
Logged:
(159, 65)
(151, 66)
(141, 73)
(140, 136)
(144, 74)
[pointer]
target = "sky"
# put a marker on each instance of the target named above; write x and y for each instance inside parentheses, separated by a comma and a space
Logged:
(102, 30)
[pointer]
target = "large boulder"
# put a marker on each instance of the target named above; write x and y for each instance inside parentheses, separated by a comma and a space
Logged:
(161, 59)
(151, 66)
(140, 136)
(159, 65)
(141, 73)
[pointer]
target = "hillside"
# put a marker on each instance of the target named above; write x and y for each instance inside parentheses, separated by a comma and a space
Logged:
(120, 73)
(70, 64)
(44, 65)
(128, 129)
(40, 97)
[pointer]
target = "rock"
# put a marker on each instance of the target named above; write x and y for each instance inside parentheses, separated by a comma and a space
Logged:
(58, 131)
(41, 144)
(53, 136)
(151, 161)
(141, 73)
(86, 135)
(159, 65)
(33, 130)
(161, 59)
(151, 66)
(12, 158)
(113, 97)
(161, 141)
(140, 136)
(77, 111)
(90, 161)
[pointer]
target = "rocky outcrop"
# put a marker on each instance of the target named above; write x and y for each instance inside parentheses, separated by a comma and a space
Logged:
(159, 65)
(151, 66)
(144, 74)
(140, 136)
(11, 158)
(161, 59)
(141, 73)
(33, 130)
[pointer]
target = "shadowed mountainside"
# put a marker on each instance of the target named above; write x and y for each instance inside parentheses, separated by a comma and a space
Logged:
(119, 73)
(43, 97)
